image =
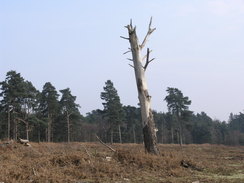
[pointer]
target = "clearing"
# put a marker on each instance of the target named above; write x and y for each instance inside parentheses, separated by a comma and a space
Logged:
(93, 162)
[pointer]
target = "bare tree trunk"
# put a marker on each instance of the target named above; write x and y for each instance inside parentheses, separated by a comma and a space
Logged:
(39, 135)
(149, 133)
(49, 128)
(178, 137)
(111, 136)
(8, 123)
(162, 133)
(68, 127)
(172, 135)
(26, 126)
(27, 131)
(46, 134)
(120, 137)
(180, 131)
(134, 134)
(15, 130)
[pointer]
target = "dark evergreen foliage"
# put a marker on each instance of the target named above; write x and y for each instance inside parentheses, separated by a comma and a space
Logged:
(25, 112)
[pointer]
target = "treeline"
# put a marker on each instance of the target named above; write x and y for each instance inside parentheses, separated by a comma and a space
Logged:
(53, 116)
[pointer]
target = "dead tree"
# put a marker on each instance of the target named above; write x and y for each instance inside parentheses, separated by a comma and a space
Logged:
(149, 132)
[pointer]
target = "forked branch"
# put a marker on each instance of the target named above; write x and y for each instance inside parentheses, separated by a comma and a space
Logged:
(146, 56)
(149, 32)
(147, 61)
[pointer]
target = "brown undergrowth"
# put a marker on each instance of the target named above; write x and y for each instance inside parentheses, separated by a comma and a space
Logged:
(93, 162)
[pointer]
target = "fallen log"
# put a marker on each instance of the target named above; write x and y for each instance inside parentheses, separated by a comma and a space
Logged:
(25, 142)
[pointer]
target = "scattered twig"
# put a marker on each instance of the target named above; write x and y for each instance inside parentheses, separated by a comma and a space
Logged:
(105, 144)
(34, 172)
(87, 152)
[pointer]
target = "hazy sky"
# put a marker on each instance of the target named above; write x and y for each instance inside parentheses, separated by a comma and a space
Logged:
(198, 46)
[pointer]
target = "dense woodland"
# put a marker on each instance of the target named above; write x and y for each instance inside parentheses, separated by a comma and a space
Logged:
(53, 115)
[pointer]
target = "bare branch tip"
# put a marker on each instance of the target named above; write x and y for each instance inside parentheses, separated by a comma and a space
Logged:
(124, 37)
(126, 52)
(150, 23)
(131, 66)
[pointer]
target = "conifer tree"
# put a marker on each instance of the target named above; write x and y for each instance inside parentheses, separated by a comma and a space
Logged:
(13, 92)
(68, 108)
(178, 106)
(113, 109)
(49, 106)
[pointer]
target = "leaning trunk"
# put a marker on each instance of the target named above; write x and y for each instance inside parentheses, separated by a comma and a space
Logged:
(149, 133)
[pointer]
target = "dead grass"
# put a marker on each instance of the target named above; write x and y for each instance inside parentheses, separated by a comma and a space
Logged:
(89, 162)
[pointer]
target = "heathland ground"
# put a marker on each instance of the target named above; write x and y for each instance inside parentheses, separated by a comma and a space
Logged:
(93, 162)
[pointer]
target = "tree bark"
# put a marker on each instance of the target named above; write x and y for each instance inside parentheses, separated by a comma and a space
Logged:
(27, 131)
(180, 129)
(149, 133)
(162, 133)
(111, 136)
(68, 126)
(134, 134)
(49, 128)
(172, 135)
(120, 137)
(15, 129)
(39, 135)
(8, 123)
(26, 127)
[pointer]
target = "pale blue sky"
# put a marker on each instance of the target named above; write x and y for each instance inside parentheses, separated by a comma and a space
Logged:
(198, 47)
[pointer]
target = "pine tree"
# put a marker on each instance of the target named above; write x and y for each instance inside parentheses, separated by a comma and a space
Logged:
(178, 106)
(68, 108)
(113, 109)
(49, 106)
(13, 93)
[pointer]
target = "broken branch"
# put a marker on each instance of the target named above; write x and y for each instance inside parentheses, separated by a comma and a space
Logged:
(149, 32)
(25, 122)
(124, 37)
(131, 66)
(105, 144)
(34, 172)
(146, 56)
(148, 61)
(23, 141)
(86, 150)
(126, 52)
